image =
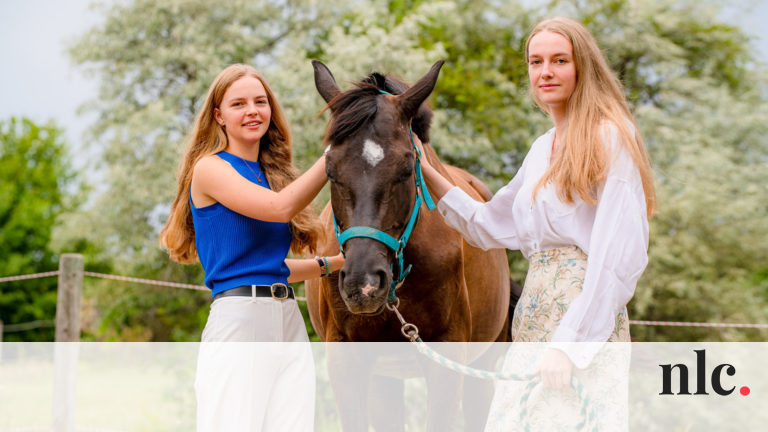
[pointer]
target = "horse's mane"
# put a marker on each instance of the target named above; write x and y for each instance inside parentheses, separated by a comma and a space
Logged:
(356, 108)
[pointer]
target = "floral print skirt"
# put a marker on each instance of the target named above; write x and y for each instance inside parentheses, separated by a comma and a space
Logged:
(554, 280)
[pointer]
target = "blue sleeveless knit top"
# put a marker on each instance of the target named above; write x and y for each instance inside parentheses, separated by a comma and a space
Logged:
(236, 250)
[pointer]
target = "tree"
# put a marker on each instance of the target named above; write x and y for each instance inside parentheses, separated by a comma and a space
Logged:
(35, 176)
(685, 74)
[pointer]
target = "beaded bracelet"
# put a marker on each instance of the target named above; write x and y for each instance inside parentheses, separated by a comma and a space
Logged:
(328, 268)
(325, 266)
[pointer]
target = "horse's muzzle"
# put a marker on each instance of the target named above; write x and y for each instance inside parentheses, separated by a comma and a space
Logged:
(364, 292)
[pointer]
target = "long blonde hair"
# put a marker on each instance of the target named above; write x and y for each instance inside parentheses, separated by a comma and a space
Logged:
(208, 137)
(580, 162)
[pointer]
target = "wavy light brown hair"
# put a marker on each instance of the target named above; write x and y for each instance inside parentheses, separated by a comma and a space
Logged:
(580, 164)
(208, 137)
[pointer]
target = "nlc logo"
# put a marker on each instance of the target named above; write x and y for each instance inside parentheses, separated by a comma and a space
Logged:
(716, 378)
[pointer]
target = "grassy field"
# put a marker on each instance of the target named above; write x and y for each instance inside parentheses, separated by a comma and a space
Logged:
(149, 387)
(127, 387)
(117, 387)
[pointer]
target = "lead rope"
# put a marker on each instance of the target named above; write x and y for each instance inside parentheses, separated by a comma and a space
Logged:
(587, 415)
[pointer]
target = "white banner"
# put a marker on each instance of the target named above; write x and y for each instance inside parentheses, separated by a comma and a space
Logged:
(160, 386)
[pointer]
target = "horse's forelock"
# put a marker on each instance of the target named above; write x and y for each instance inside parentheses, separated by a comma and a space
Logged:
(379, 81)
(355, 108)
(352, 110)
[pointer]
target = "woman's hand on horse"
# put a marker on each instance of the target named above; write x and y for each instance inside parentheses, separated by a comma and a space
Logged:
(337, 261)
(555, 369)
(437, 184)
(420, 153)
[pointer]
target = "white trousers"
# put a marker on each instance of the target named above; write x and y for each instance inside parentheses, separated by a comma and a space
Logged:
(255, 370)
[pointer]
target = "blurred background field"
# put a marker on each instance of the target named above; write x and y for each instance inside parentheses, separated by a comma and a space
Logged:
(137, 387)
(118, 387)
(149, 387)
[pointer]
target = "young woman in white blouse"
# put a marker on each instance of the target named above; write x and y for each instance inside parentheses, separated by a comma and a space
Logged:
(578, 208)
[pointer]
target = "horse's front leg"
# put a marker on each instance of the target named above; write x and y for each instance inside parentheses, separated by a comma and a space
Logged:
(387, 404)
(349, 371)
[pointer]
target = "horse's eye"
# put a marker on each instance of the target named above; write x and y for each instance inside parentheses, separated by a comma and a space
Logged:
(405, 172)
(330, 171)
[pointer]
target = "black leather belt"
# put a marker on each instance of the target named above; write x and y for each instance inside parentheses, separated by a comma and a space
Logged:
(278, 291)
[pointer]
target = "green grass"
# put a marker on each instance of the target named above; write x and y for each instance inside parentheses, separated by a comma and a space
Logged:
(118, 387)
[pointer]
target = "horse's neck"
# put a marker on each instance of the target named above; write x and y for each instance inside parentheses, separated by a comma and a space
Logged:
(431, 225)
(434, 160)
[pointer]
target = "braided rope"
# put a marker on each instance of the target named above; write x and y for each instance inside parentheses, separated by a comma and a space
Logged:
(587, 415)
(697, 324)
(28, 429)
(108, 276)
(411, 332)
(29, 276)
(10, 328)
(48, 429)
(466, 370)
(203, 288)
(147, 281)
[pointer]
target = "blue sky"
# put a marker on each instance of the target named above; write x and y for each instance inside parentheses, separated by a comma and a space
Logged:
(38, 81)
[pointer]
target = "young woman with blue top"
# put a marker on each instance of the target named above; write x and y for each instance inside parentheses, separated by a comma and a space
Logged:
(577, 208)
(239, 208)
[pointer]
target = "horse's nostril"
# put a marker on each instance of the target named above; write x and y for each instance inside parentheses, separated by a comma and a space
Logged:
(382, 278)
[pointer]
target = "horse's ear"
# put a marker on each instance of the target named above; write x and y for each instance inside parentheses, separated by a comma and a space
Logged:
(324, 81)
(412, 98)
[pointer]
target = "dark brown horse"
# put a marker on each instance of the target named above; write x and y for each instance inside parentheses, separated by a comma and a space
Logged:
(453, 293)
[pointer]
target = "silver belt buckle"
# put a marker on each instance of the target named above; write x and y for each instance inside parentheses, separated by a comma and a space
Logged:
(282, 286)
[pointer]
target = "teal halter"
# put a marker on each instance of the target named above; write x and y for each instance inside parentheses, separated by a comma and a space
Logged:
(398, 246)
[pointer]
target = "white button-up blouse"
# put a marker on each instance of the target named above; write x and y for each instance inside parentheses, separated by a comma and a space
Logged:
(613, 233)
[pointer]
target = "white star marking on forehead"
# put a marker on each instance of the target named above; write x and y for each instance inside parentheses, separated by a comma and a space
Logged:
(372, 153)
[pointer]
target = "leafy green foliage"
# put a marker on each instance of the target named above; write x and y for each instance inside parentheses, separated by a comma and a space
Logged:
(692, 82)
(34, 174)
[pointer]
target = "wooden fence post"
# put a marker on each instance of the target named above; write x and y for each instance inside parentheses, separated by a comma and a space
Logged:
(65, 357)
(65, 354)
(68, 303)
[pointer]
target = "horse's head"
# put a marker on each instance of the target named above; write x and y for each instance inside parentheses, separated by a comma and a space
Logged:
(371, 166)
